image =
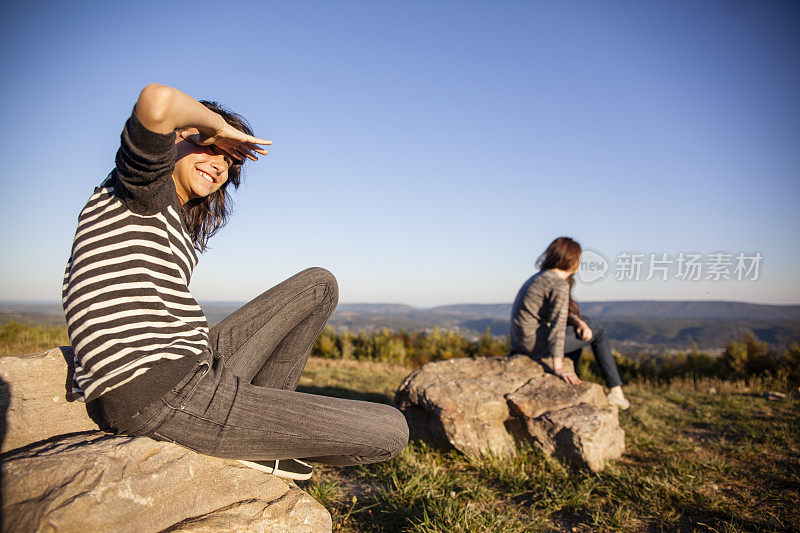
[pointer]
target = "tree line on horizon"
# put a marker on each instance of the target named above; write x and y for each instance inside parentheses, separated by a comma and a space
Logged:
(740, 360)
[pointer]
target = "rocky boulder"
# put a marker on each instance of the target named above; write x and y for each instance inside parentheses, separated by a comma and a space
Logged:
(60, 474)
(96, 482)
(35, 399)
(492, 405)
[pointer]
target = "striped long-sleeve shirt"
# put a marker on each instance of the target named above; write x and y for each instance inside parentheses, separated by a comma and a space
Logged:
(539, 316)
(126, 297)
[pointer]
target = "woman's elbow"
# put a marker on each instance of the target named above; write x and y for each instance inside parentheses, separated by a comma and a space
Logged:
(152, 107)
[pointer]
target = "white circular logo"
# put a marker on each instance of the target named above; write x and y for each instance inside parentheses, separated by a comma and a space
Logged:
(593, 267)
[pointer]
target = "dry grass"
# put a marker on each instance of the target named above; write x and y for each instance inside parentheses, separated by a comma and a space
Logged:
(19, 339)
(706, 454)
(696, 460)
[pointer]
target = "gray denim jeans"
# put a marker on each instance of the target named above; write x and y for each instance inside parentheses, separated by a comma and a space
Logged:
(240, 402)
(573, 349)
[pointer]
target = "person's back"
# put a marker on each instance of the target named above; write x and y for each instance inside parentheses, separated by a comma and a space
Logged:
(544, 308)
(537, 315)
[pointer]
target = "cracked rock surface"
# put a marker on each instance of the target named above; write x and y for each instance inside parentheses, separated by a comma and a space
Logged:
(60, 474)
(494, 404)
(35, 401)
(97, 482)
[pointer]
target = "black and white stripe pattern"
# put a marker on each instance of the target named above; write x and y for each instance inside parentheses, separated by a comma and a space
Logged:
(125, 294)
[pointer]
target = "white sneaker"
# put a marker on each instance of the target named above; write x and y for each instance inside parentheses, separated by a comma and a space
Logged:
(615, 397)
(289, 468)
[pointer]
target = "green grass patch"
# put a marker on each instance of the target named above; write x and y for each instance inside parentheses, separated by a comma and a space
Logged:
(19, 339)
(703, 453)
(696, 460)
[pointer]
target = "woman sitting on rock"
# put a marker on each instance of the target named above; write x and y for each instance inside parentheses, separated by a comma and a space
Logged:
(547, 322)
(145, 361)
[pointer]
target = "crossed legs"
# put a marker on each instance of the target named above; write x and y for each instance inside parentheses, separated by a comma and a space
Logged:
(242, 403)
(268, 340)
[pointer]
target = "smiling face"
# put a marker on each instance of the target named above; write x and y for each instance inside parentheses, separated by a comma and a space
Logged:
(199, 170)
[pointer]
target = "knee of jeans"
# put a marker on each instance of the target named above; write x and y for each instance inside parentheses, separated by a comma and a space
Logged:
(333, 291)
(324, 276)
(598, 333)
(320, 275)
(394, 430)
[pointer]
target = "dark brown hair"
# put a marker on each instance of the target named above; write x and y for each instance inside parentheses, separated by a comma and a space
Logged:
(564, 254)
(206, 216)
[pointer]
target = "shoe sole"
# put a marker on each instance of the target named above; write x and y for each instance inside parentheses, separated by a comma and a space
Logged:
(276, 471)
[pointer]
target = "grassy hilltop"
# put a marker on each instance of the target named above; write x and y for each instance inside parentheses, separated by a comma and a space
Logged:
(707, 455)
(705, 450)
(631, 326)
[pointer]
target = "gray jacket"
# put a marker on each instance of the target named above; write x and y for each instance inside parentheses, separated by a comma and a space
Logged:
(539, 316)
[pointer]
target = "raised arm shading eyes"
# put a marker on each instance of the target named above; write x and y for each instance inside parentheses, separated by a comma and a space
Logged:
(163, 109)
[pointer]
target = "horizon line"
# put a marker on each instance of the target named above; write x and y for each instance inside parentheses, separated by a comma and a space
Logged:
(223, 302)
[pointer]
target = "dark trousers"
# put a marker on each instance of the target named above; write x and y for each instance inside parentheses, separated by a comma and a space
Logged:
(573, 348)
(240, 400)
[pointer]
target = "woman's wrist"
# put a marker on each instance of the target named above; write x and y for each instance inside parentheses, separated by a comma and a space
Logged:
(214, 128)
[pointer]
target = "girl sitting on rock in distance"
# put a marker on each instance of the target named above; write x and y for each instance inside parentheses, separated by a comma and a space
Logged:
(547, 322)
(145, 360)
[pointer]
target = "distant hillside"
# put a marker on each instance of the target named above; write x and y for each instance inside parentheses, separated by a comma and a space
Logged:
(692, 309)
(377, 308)
(631, 325)
(650, 308)
(502, 311)
(31, 313)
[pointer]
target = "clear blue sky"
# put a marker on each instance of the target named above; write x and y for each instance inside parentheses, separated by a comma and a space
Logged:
(426, 152)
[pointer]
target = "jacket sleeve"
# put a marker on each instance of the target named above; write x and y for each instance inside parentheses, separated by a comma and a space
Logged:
(559, 300)
(144, 164)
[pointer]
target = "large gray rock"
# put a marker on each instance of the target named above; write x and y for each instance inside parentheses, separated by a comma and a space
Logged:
(461, 403)
(492, 405)
(584, 435)
(60, 474)
(96, 482)
(34, 398)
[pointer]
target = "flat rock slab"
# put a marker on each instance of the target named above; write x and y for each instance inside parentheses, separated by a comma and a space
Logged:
(548, 392)
(492, 405)
(460, 402)
(34, 399)
(97, 482)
